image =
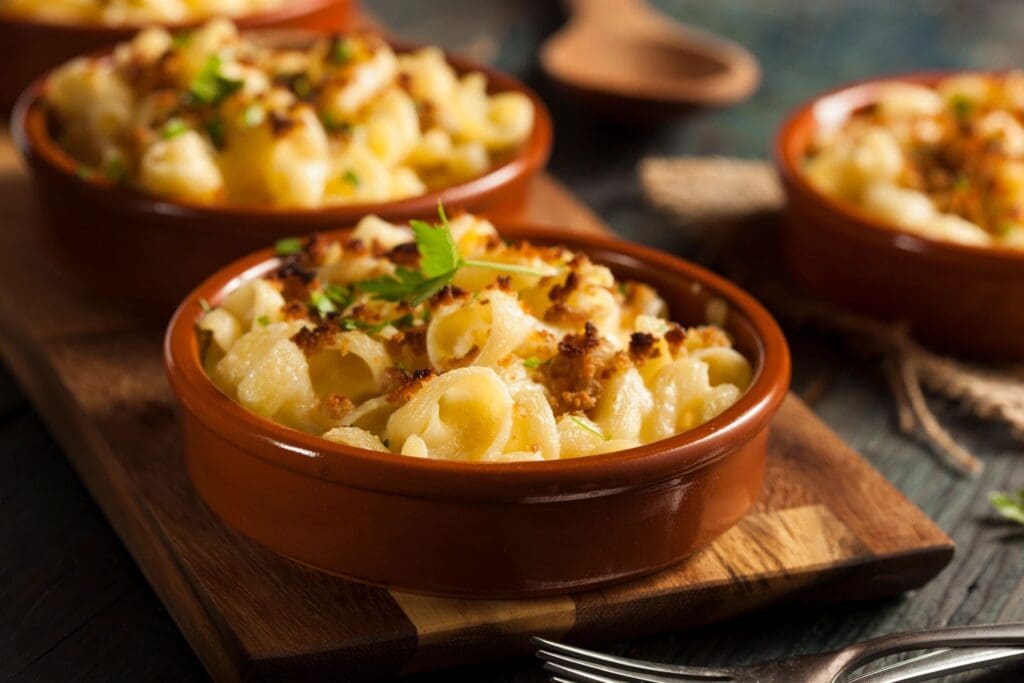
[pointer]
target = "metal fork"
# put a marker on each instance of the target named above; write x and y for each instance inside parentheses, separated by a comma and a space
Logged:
(962, 648)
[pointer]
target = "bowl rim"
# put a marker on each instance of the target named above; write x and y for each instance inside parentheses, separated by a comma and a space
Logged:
(585, 477)
(289, 9)
(29, 129)
(858, 223)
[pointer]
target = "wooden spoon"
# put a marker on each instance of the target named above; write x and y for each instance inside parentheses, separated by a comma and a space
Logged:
(626, 57)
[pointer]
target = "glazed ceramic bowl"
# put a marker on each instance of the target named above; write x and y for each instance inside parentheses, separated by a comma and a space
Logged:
(30, 47)
(110, 235)
(957, 298)
(478, 529)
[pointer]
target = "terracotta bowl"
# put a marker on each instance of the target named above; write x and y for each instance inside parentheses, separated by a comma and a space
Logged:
(957, 298)
(486, 530)
(146, 253)
(30, 47)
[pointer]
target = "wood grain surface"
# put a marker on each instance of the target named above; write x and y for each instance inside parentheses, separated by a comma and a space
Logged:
(96, 378)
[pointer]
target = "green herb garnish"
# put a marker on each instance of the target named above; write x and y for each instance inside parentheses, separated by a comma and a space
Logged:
(115, 170)
(339, 295)
(204, 305)
(1009, 505)
(332, 125)
(253, 115)
(211, 86)
(341, 51)
(584, 425)
(532, 362)
(217, 131)
(181, 39)
(351, 178)
(288, 246)
(962, 106)
(263, 320)
(173, 128)
(84, 172)
(302, 87)
(323, 305)
(439, 262)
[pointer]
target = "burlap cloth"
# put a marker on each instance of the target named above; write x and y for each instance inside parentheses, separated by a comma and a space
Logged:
(733, 206)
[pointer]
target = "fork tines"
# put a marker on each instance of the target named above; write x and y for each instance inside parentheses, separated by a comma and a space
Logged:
(576, 665)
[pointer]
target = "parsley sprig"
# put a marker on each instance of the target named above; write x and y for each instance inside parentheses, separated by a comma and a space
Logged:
(211, 86)
(1009, 505)
(439, 262)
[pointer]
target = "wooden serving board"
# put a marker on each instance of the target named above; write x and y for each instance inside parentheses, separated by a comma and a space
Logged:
(827, 526)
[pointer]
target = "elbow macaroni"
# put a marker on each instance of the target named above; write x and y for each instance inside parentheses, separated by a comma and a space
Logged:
(944, 162)
(209, 117)
(526, 366)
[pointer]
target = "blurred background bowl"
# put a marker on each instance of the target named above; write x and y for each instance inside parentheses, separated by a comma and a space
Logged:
(30, 47)
(957, 298)
(146, 253)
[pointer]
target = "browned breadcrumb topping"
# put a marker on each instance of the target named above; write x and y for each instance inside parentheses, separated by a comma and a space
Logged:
(337, 406)
(560, 292)
(448, 294)
(310, 340)
(676, 337)
(573, 375)
(406, 255)
(410, 386)
(642, 347)
(709, 335)
(355, 247)
(412, 340)
(281, 125)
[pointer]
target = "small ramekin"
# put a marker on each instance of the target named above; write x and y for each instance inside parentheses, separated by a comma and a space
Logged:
(30, 47)
(146, 253)
(487, 530)
(957, 298)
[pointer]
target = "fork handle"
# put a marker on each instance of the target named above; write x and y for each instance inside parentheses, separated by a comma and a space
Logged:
(955, 636)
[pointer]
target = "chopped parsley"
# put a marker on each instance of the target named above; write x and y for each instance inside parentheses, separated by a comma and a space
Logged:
(341, 51)
(302, 87)
(211, 86)
(333, 125)
(217, 131)
(84, 172)
(288, 246)
(173, 128)
(115, 170)
(962, 106)
(322, 304)
(339, 295)
(532, 362)
(439, 262)
(182, 39)
(263, 320)
(587, 427)
(351, 177)
(1009, 505)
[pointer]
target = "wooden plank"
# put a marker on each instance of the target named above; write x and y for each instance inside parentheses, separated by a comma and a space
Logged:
(96, 377)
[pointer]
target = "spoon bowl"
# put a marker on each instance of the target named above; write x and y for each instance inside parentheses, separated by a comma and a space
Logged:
(632, 62)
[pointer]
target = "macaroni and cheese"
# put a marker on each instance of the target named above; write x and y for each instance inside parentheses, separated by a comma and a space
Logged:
(945, 162)
(210, 117)
(120, 12)
(448, 342)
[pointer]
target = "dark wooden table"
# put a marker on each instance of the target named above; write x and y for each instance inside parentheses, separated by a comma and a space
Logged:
(73, 606)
